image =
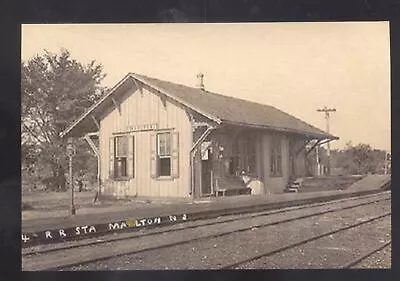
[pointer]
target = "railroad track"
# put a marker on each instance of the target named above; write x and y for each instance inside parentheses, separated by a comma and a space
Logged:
(130, 239)
(308, 240)
(102, 230)
(134, 234)
(359, 260)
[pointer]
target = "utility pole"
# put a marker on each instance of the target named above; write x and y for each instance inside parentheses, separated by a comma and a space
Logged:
(327, 111)
(318, 163)
(387, 162)
(70, 154)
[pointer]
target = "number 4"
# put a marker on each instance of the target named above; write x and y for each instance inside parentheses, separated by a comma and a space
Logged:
(25, 238)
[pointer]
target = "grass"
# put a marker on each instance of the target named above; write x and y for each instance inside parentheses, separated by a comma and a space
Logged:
(328, 183)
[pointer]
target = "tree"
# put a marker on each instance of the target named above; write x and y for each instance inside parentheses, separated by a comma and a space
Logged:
(361, 155)
(359, 159)
(55, 90)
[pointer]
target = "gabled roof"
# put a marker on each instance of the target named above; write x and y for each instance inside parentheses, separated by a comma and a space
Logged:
(219, 108)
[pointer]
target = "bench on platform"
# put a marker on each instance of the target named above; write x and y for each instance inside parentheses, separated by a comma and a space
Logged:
(230, 186)
(232, 191)
(221, 191)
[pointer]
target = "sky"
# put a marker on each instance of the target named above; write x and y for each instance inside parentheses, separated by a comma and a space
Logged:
(296, 67)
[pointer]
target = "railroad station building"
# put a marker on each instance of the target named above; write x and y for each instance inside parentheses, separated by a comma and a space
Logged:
(162, 139)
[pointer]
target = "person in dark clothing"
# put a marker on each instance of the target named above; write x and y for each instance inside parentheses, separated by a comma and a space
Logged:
(80, 184)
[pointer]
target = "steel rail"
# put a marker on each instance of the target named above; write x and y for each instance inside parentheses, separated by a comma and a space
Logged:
(362, 258)
(302, 242)
(206, 215)
(161, 230)
(58, 267)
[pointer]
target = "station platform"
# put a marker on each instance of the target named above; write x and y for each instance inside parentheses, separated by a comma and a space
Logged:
(200, 208)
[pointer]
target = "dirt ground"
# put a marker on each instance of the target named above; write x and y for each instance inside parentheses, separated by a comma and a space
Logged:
(329, 183)
(46, 204)
(49, 199)
(51, 204)
(40, 204)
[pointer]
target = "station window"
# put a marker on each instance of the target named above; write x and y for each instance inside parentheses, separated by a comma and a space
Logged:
(276, 157)
(245, 148)
(251, 156)
(164, 154)
(121, 156)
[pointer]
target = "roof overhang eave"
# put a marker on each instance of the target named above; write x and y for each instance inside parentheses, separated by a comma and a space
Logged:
(284, 130)
(67, 131)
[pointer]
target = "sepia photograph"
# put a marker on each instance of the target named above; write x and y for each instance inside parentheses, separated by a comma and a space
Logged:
(209, 146)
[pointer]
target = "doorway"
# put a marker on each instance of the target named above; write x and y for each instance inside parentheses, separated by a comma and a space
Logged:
(206, 173)
(292, 158)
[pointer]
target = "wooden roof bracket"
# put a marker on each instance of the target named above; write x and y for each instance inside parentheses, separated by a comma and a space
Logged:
(202, 137)
(303, 147)
(138, 87)
(197, 124)
(317, 143)
(200, 124)
(189, 115)
(163, 99)
(91, 144)
(117, 105)
(94, 134)
(96, 122)
(95, 149)
(325, 141)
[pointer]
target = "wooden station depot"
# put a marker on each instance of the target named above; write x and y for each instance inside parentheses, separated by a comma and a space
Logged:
(157, 138)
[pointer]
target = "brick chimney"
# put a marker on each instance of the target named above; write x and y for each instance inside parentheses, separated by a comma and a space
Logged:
(200, 84)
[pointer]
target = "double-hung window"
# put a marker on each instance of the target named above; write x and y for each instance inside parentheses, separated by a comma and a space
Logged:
(276, 157)
(164, 154)
(246, 148)
(251, 156)
(121, 156)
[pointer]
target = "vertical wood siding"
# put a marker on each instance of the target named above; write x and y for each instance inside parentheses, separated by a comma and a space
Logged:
(300, 158)
(140, 107)
(278, 184)
(275, 184)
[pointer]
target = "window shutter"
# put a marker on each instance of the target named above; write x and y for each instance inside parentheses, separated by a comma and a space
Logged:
(131, 157)
(153, 156)
(111, 156)
(175, 155)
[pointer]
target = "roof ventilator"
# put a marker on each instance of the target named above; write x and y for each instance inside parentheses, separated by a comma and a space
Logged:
(200, 84)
